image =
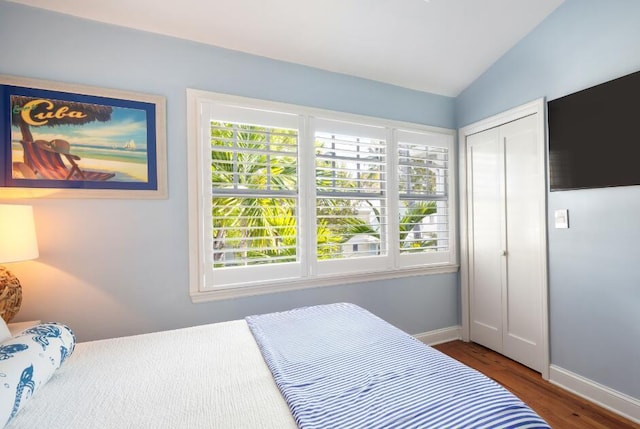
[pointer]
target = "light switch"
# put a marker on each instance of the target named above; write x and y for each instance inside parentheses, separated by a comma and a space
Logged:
(561, 218)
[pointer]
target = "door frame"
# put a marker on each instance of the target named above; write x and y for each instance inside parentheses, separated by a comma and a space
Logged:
(534, 107)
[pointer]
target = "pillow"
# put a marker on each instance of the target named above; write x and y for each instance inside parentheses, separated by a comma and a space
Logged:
(27, 361)
(5, 333)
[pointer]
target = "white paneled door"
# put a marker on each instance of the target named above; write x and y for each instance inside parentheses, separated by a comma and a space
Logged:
(506, 244)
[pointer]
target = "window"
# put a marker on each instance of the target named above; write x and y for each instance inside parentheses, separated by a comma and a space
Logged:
(286, 197)
(254, 181)
(351, 194)
(423, 197)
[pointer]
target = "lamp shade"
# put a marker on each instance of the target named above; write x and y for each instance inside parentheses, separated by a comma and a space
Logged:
(18, 240)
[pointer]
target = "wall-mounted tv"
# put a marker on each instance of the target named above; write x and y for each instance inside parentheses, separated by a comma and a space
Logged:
(594, 136)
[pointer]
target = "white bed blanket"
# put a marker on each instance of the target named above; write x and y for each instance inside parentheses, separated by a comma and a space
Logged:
(210, 376)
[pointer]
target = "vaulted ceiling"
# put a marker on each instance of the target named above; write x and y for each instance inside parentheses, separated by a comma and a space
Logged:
(437, 46)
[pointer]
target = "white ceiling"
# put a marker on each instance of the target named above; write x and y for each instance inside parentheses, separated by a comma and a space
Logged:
(438, 46)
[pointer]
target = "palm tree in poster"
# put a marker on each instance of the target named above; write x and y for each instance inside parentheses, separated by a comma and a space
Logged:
(44, 159)
(27, 112)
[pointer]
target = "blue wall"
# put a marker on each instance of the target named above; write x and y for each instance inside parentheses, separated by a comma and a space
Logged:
(594, 266)
(117, 267)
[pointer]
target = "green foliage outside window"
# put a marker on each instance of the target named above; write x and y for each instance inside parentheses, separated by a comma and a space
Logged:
(254, 173)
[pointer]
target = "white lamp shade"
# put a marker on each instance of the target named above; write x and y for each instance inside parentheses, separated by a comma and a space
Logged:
(18, 240)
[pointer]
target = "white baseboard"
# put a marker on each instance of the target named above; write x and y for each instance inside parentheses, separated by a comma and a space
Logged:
(617, 402)
(440, 336)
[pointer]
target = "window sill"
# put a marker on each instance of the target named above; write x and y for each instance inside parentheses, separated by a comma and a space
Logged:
(199, 296)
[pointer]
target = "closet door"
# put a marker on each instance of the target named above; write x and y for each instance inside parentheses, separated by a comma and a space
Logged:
(522, 292)
(485, 204)
(505, 240)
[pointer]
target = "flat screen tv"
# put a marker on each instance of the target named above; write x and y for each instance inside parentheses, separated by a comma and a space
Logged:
(594, 136)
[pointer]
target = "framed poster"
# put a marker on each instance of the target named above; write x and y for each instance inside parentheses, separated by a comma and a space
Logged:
(63, 140)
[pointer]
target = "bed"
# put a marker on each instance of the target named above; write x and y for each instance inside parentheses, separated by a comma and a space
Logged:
(328, 366)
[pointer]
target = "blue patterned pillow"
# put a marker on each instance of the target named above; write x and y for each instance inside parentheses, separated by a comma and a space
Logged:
(27, 361)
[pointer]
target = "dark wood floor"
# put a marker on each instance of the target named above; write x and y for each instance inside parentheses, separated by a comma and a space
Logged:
(561, 409)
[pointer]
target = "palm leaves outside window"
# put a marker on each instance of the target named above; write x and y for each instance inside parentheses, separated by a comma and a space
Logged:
(255, 195)
(255, 198)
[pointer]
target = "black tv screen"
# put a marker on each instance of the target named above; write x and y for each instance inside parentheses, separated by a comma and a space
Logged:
(594, 136)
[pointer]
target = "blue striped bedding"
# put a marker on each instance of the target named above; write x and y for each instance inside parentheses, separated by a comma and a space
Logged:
(339, 366)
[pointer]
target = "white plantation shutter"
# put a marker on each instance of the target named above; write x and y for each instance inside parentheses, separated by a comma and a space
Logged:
(289, 197)
(351, 195)
(254, 180)
(423, 194)
(254, 194)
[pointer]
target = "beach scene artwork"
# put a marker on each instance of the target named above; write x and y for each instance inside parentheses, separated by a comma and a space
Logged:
(63, 140)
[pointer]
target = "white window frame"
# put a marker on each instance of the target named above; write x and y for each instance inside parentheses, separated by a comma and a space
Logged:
(412, 136)
(231, 278)
(361, 264)
(307, 274)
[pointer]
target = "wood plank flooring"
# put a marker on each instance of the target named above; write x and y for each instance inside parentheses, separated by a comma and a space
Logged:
(561, 409)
